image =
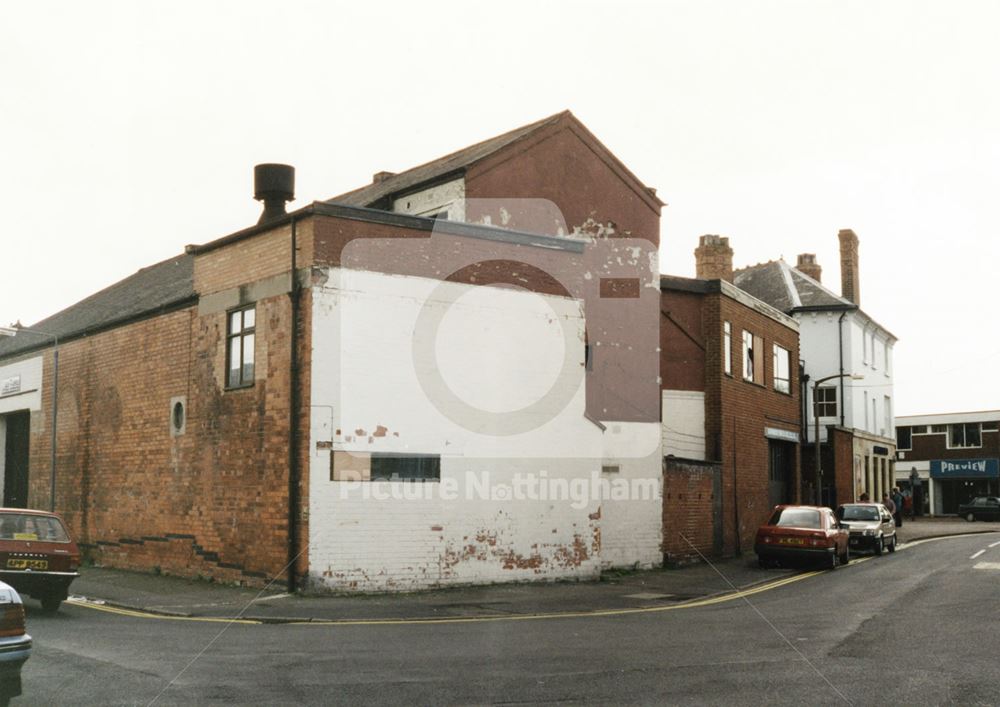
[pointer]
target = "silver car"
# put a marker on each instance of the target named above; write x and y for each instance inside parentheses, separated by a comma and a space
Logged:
(15, 643)
(871, 525)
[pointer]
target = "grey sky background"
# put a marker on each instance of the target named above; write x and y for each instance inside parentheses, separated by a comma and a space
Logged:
(131, 129)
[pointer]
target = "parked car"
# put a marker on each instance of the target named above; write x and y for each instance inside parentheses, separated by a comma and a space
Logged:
(981, 508)
(37, 555)
(871, 526)
(802, 533)
(15, 643)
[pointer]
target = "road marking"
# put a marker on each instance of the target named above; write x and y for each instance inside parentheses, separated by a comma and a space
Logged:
(995, 544)
(986, 566)
(977, 554)
(489, 618)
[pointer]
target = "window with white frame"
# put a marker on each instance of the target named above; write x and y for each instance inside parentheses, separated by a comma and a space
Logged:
(888, 415)
(864, 346)
(748, 355)
(727, 348)
(240, 347)
(782, 369)
(964, 435)
(826, 402)
(875, 346)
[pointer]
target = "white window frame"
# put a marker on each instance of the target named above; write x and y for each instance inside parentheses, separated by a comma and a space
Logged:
(950, 439)
(782, 384)
(748, 356)
(817, 403)
(727, 348)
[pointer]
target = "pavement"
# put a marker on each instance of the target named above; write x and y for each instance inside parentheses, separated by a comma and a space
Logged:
(615, 591)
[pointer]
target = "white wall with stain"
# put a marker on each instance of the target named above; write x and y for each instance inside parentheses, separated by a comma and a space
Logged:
(498, 351)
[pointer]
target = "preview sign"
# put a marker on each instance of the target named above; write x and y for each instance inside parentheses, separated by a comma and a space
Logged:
(965, 469)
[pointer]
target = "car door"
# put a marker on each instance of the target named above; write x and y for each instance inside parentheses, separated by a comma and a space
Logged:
(888, 523)
(992, 510)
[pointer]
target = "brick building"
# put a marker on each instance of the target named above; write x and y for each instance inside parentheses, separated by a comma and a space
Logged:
(849, 354)
(947, 459)
(731, 409)
(285, 396)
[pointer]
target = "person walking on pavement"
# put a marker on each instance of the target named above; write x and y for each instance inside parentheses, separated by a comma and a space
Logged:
(897, 499)
(887, 502)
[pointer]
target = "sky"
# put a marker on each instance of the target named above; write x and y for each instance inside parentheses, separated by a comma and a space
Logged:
(131, 129)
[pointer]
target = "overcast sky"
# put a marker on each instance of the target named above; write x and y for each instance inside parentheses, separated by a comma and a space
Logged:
(130, 129)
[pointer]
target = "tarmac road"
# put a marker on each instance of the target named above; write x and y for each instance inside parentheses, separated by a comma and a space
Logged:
(919, 627)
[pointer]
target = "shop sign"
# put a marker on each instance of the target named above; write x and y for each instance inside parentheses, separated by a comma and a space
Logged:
(965, 469)
(10, 386)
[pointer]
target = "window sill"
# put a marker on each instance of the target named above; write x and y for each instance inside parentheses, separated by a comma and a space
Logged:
(242, 386)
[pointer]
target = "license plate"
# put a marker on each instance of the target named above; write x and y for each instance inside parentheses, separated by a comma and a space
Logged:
(17, 563)
(791, 541)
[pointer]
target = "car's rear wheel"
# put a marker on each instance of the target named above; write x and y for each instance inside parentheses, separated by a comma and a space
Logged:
(846, 557)
(970, 517)
(892, 545)
(51, 603)
(879, 545)
(834, 560)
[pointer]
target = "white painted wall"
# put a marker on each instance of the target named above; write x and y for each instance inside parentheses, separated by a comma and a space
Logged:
(500, 350)
(449, 195)
(683, 424)
(29, 396)
(819, 349)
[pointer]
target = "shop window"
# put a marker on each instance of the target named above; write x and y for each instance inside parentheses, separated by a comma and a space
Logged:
(400, 467)
(782, 369)
(964, 435)
(826, 402)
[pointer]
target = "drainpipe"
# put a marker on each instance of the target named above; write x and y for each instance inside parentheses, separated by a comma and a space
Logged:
(293, 424)
(840, 346)
(804, 424)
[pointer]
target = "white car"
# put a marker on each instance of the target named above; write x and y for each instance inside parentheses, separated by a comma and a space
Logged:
(15, 643)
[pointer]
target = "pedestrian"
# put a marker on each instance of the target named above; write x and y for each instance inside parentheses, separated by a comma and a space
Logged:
(864, 498)
(908, 504)
(887, 502)
(897, 499)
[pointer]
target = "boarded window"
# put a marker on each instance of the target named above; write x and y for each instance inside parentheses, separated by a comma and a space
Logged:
(400, 467)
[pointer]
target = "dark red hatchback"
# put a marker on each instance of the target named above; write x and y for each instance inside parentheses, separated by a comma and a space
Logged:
(802, 533)
(37, 555)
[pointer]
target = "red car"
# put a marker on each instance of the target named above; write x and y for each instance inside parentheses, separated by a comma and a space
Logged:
(802, 533)
(37, 555)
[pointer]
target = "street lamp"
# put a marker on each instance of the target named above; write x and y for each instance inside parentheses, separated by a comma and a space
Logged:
(819, 467)
(14, 330)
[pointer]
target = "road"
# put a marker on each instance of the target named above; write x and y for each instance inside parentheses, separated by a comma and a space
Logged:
(919, 627)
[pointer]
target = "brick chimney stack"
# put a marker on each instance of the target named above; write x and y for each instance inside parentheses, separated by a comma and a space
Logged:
(807, 265)
(850, 280)
(713, 259)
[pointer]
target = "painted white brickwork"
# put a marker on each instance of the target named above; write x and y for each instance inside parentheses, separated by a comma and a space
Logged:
(684, 424)
(500, 350)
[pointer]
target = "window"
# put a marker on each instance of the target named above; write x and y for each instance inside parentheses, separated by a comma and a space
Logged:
(864, 347)
(610, 468)
(240, 348)
(990, 427)
(904, 438)
(727, 348)
(887, 410)
(753, 359)
(399, 467)
(826, 402)
(939, 429)
(874, 352)
(964, 435)
(782, 369)
(919, 429)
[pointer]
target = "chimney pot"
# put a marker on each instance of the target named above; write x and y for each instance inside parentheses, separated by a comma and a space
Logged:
(714, 258)
(807, 265)
(850, 281)
(273, 184)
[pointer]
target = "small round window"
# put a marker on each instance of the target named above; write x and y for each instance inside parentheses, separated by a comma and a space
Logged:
(177, 416)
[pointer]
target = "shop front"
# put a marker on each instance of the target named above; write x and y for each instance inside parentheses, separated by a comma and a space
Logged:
(958, 481)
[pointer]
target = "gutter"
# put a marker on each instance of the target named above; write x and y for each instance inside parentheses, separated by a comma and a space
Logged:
(840, 347)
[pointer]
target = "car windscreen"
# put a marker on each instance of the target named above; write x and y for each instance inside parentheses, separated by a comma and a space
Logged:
(796, 518)
(860, 513)
(25, 526)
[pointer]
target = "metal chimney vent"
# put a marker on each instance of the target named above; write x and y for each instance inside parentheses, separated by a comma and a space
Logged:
(273, 184)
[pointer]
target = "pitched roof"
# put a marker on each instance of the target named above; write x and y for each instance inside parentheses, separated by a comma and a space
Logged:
(373, 193)
(785, 288)
(150, 290)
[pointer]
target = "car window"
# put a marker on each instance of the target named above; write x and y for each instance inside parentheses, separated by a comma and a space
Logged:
(24, 526)
(859, 513)
(796, 518)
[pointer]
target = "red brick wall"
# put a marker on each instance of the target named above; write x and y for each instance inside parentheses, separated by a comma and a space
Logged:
(682, 341)
(737, 412)
(213, 501)
(689, 515)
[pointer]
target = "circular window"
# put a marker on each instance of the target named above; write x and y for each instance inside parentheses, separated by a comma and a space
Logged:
(177, 416)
